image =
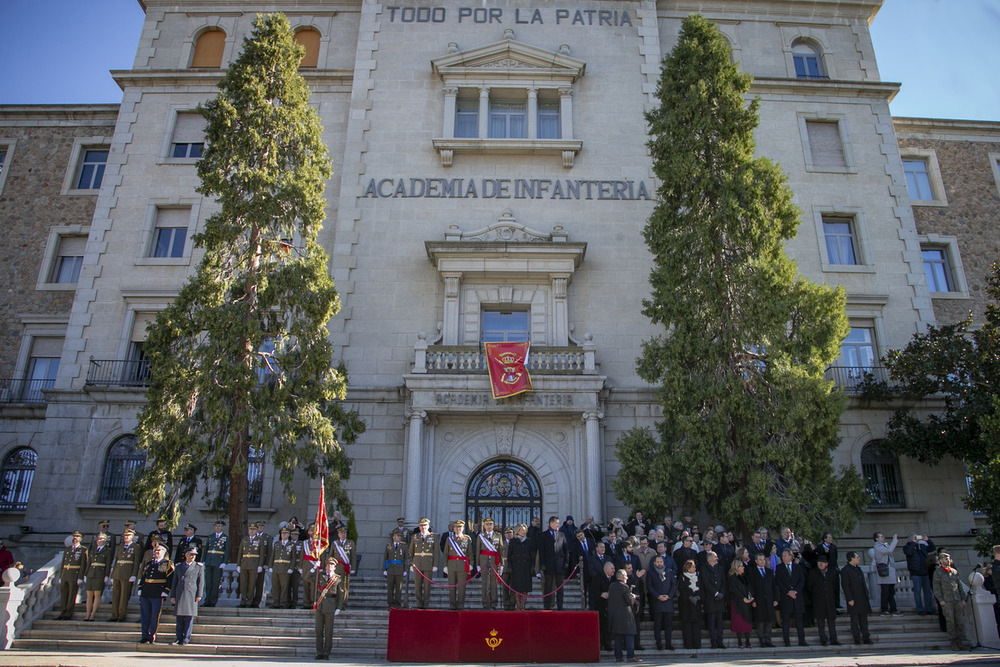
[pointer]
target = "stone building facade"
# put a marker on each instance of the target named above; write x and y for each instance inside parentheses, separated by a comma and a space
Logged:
(491, 183)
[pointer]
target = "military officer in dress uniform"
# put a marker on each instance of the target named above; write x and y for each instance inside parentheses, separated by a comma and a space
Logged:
(266, 544)
(423, 557)
(215, 558)
(128, 561)
(104, 526)
(284, 561)
(310, 566)
(154, 539)
(296, 580)
(326, 608)
(98, 572)
(137, 537)
(250, 565)
(488, 549)
(189, 540)
(74, 566)
(342, 551)
(166, 537)
(456, 551)
(401, 527)
(393, 569)
(154, 588)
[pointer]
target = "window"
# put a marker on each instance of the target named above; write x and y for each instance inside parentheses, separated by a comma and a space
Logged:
(42, 373)
(923, 176)
(880, 468)
(826, 147)
(508, 120)
(92, 166)
(841, 245)
(188, 140)
(3, 158)
(123, 461)
(918, 180)
(68, 260)
(548, 121)
(505, 326)
(16, 474)
(937, 269)
(208, 49)
(309, 38)
(808, 64)
(135, 370)
(858, 349)
(467, 118)
(6, 155)
(170, 232)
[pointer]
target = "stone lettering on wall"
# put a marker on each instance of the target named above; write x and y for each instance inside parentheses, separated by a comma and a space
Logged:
(520, 16)
(542, 400)
(505, 188)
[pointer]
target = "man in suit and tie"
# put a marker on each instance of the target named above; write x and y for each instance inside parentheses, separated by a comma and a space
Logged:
(791, 582)
(579, 556)
(852, 582)
(552, 555)
(765, 598)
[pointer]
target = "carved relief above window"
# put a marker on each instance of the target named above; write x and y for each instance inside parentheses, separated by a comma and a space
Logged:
(508, 98)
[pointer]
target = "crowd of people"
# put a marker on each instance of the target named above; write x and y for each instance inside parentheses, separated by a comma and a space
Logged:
(662, 570)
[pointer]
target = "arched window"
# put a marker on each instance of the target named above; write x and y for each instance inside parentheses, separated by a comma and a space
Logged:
(208, 49)
(506, 491)
(15, 479)
(124, 460)
(808, 62)
(309, 38)
(880, 468)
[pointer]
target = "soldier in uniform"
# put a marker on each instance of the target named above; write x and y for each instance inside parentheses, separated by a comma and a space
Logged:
(128, 560)
(166, 537)
(250, 565)
(104, 526)
(266, 544)
(98, 571)
(154, 587)
(488, 549)
(215, 559)
(342, 552)
(423, 557)
(150, 551)
(401, 527)
(137, 537)
(284, 561)
(393, 569)
(296, 580)
(74, 566)
(189, 540)
(456, 551)
(326, 608)
(310, 566)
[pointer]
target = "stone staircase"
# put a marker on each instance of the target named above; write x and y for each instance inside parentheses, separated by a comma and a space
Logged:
(360, 631)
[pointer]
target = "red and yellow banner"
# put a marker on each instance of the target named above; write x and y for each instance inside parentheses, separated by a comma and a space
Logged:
(508, 365)
(321, 536)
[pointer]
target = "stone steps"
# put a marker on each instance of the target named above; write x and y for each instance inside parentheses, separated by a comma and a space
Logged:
(361, 631)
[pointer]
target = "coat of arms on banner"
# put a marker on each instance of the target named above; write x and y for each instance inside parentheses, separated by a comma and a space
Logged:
(508, 366)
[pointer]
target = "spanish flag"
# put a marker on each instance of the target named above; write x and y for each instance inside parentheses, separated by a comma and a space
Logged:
(508, 366)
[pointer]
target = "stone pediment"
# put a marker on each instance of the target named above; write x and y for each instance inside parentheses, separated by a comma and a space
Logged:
(508, 55)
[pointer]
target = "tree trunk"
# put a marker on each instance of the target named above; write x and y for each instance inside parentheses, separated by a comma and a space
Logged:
(238, 516)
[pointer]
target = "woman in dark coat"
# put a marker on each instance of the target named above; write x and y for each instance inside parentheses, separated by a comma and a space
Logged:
(741, 618)
(519, 560)
(691, 596)
(621, 616)
(662, 586)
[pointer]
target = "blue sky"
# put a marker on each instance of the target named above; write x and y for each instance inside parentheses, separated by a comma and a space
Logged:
(940, 50)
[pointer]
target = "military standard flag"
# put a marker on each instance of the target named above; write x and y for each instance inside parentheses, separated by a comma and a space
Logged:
(321, 536)
(508, 366)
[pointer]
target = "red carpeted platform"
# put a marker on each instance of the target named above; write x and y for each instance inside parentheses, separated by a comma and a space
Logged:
(427, 635)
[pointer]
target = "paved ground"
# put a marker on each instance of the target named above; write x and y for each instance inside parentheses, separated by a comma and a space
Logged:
(978, 658)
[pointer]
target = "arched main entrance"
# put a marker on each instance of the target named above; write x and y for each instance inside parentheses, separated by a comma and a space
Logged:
(505, 490)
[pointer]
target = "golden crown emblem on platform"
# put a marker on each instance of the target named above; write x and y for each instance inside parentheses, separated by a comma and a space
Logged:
(508, 358)
(493, 641)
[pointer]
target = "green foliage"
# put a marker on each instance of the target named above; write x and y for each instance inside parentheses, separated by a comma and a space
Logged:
(955, 366)
(241, 358)
(749, 421)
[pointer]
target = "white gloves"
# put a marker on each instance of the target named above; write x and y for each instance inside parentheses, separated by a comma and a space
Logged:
(259, 570)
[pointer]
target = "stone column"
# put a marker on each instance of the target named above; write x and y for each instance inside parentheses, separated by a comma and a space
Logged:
(484, 112)
(560, 311)
(450, 333)
(595, 471)
(566, 114)
(533, 115)
(414, 464)
(450, 95)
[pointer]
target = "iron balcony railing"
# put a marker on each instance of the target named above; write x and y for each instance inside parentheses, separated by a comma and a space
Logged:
(118, 373)
(849, 378)
(23, 391)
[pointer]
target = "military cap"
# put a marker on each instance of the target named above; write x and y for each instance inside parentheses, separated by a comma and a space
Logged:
(155, 537)
(191, 527)
(400, 518)
(342, 529)
(129, 522)
(77, 533)
(396, 531)
(102, 536)
(424, 522)
(459, 523)
(253, 524)
(285, 529)
(128, 531)
(487, 520)
(104, 522)
(191, 550)
(220, 522)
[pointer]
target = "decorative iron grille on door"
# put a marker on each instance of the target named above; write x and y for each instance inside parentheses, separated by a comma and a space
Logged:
(504, 490)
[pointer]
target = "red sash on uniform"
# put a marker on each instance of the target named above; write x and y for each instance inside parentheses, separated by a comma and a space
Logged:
(490, 550)
(343, 560)
(458, 549)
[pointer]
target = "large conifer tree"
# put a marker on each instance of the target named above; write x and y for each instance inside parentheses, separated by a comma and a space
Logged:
(241, 358)
(749, 422)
